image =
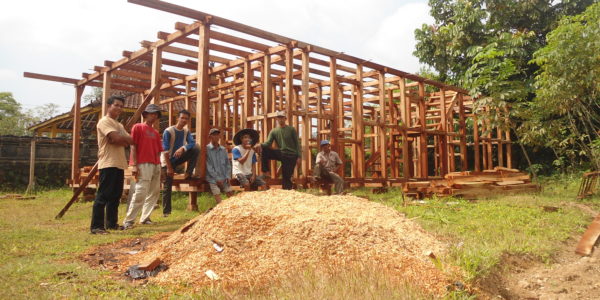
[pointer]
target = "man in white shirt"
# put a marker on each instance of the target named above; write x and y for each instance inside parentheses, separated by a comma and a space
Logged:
(244, 159)
(327, 165)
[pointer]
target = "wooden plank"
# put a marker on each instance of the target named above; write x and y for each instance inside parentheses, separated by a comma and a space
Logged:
(49, 77)
(589, 238)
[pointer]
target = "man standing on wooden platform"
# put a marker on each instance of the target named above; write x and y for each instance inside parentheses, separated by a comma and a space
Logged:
(218, 168)
(112, 140)
(179, 147)
(327, 165)
(145, 159)
(288, 152)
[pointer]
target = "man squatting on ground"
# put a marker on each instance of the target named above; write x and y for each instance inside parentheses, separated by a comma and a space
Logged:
(145, 162)
(179, 147)
(244, 159)
(327, 165)
(218, 168)
(288, 153)
(112, 140)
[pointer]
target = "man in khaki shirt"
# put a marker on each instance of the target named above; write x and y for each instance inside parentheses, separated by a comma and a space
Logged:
(327, 165)
(112, 140)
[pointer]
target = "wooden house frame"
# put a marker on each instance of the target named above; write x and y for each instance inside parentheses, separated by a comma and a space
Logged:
(392, 126)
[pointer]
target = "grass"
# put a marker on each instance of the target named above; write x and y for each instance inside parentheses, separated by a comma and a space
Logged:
(481, 233)
(39, 254)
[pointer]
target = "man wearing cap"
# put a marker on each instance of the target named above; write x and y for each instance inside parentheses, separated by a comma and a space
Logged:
(112, 140)
(288, 153)
(145, 162)
(218, 169)
(179, 147)
(327, 165)
(244, 159)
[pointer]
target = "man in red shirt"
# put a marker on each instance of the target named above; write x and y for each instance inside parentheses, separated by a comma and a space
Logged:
(145, 160)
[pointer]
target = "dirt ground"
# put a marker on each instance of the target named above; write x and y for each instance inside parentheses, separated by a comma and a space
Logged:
(568, 276)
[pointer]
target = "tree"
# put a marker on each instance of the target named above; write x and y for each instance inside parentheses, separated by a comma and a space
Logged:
(565, 114)
(486, 46)
(12, 120)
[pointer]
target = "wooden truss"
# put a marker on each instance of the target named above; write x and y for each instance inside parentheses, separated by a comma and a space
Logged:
(390, 126)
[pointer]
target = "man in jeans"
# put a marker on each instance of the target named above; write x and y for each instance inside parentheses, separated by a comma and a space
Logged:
(218, 168)
(112, 140)
(288, 153)
(327, 165)
(179, 147)
(145, 159)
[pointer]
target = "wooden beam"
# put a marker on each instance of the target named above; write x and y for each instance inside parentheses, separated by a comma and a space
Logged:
(202, 100)
(306, 121)
(382, 130)
(49, 77)
(76, 136)
(106, 85)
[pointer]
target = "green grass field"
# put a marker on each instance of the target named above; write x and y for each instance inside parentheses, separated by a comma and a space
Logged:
(37, 251)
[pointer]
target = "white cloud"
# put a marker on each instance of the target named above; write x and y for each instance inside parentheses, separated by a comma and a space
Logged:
(68, 37)
(394, 42)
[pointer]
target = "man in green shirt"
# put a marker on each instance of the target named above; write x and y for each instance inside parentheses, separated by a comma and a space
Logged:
(288, 152)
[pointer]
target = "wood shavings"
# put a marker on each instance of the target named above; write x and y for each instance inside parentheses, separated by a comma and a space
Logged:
(271, 233)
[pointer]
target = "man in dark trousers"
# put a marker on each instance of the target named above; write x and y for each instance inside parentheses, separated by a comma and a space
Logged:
(288, 152)
(179, 147)
(112, 140)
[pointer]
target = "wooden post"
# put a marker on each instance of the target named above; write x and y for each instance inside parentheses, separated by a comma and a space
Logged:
(76, 135)
(305, 117)
(444, 138)
(381, 120)
(202, 100)
(463, 134)
(267, 94)
(476, 149)
(289, 82)
(155, 79)
(105, 92)
(31, 185)
(248, 97)
(170, 114)
(359, 123)
(423, 157)
(405, 103)
(334, 104)
(188, 103)
(509, 163)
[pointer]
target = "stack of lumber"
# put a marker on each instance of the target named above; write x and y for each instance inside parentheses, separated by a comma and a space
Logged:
(473, 185)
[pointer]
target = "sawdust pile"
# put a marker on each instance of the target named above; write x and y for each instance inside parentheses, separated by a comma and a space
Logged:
(265, 235)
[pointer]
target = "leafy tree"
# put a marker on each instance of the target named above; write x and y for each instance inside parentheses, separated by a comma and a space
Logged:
(15, 121)
(486, 46)
(565, 113)
(12, 120)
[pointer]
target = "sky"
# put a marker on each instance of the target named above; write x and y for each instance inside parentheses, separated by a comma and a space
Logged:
(69, 37)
